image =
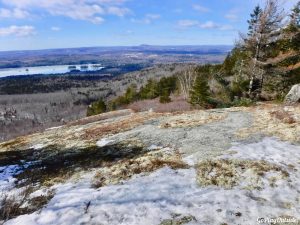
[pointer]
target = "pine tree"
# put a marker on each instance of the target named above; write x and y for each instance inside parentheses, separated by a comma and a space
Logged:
(199, 95)
(96, 108)
(254, 19)
(295, 16)
(131, 94)
(165, 96)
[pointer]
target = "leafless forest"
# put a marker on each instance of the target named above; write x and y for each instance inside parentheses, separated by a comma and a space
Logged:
(22, 114)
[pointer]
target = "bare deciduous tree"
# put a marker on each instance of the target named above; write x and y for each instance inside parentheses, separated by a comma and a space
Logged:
(186, 81)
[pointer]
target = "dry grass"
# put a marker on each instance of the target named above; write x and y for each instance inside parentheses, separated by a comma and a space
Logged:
(283, 116)
(102, 116)
(276, 121)
(196, 118)
(54, 166)
(147, 163)
(15, 143)
(228, 173)
(14, 206)
(179, 220)
(118, 126)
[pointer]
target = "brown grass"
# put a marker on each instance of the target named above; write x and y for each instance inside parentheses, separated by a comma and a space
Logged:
(179, 220)
(102, 116)
(127, 168)
(118, 126)
(12, 206)
(283, 116)
(227, 173)
(274, 120)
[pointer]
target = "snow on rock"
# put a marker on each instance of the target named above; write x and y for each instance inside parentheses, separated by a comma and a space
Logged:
(154, 147)
(54, 128)
(149, 200)
(6, 176)
(103, 142)
(38, 146)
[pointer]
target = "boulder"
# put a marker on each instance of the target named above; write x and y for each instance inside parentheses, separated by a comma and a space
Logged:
(294, 95)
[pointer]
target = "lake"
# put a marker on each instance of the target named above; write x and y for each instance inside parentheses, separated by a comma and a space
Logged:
(55, 69)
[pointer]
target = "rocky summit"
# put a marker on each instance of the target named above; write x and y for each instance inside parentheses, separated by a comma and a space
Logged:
(221, 166)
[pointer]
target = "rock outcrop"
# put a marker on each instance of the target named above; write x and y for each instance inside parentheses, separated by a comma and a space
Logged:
(294, 95)
(196, 167)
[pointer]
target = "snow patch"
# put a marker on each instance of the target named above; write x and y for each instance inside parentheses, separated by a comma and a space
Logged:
(38, 146)
(154, 147)
(7, 174)
(53, 128)
(103, 142)
(151, 199)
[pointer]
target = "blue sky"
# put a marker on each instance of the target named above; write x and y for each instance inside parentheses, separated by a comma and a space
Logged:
(42, 24)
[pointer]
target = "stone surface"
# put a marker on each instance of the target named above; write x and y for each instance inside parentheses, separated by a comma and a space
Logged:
(294, 95)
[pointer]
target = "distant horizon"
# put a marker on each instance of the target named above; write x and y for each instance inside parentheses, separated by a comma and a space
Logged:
(119, 46)
(56, 24)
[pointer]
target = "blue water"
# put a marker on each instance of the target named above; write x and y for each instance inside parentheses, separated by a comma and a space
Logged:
(56, 69)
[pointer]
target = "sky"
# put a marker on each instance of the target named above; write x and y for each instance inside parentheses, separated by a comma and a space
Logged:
(44, 24)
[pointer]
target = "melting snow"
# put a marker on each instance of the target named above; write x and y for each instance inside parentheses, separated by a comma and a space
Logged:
(103, 142)
(7, 174)
(151, 199)
(38, 146)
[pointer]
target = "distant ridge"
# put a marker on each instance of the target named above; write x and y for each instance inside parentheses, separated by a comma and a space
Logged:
(96, 49)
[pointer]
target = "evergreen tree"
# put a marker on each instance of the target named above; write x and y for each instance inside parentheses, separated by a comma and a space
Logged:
(295, 17)
(253, 21)
(165, 96)
(199, 95)
(96, 108)
(131, 94)
(150, 91)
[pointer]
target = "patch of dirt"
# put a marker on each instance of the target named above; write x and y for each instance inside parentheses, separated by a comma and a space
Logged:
(228, 173)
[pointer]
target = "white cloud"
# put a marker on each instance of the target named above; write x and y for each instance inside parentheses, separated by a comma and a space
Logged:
(55, 28)
(118, 11)
(88, 10)
(19, 31)
(226, 27)
(232, 15)
(153, 16)
(187, 23)
(15, 13)
(148, 19)
(207, 25)
(201, 8)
